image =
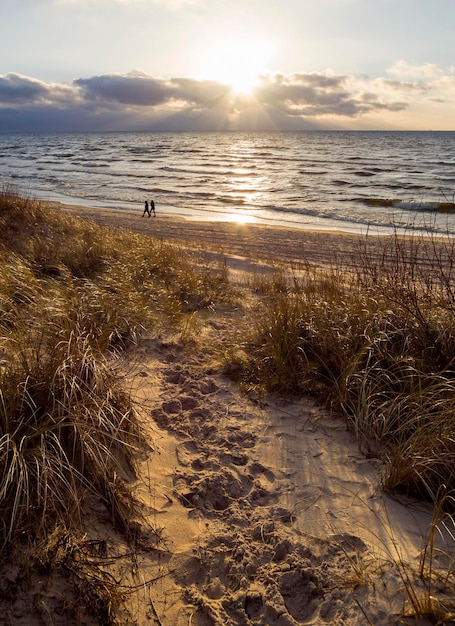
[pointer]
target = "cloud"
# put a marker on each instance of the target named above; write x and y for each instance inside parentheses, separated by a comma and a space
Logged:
(401, 86)
(138, 101)
(403, 70)
(18, 89)
(132, 89)
(433, 82)
(318, 95)
(139, 89)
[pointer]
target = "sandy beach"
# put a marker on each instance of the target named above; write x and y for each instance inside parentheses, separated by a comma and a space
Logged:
(267, 511)
(288, 246)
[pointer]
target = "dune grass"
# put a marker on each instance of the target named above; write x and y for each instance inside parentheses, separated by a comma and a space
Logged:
(377, 343)
(72, 294)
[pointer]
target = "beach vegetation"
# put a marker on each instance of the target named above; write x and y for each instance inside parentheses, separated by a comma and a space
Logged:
(376, 342)
(429, 587)
(73, 295)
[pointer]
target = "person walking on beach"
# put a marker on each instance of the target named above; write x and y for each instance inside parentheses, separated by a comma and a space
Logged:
(146, 209)
(152, 208)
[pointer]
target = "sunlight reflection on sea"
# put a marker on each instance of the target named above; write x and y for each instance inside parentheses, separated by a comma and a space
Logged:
(326, 180)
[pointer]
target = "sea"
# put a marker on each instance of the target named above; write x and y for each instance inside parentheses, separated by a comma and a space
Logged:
(348, 181)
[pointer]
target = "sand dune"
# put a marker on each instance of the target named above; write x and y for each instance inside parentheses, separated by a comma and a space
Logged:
(270, 515)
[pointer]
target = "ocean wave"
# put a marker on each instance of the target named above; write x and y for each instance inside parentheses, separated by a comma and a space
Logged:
(64, 155)
(232, 200)
(149, 190)
(93, 164)
(188, 151)
(364, 173)
(442, 207)
(322, 175)
(358, 222)
(172, 169)
(408, 205)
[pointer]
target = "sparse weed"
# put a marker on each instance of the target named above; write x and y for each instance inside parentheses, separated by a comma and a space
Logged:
(430, 591)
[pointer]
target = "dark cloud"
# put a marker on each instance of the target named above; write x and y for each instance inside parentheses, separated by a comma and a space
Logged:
(142, 90)
(137, 101)
(130, 89)
(18, 89)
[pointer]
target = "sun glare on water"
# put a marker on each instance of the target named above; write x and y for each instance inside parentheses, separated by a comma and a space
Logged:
(237, 62)
(239, 218)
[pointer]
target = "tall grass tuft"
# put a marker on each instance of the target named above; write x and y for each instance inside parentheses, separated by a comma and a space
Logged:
(67, 429)
(376, 341)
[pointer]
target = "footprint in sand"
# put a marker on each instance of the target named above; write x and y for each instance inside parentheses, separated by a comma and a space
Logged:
(215, 491)
(208, 386)
(301, 591)
(257, 469)
(187, 570)
(177, 374)
(187, 452)
(188, 403)
(245, 440)
(190, 455)
(235, 457)
(172, 407)
(165, 416)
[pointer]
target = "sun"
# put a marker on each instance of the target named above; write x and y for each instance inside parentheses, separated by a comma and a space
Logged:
(237, 62)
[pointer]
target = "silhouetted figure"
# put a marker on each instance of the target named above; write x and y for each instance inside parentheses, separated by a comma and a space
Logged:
(152, 208)
(146, 209)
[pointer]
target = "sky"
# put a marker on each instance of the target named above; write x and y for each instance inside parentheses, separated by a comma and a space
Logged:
(176, 65)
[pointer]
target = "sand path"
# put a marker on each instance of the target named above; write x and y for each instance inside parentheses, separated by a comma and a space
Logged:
(270, 514)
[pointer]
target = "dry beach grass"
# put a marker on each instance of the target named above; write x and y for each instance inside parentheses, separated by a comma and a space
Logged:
(205, 436)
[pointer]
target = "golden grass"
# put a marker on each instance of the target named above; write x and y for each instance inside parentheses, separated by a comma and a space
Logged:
(72, 294)
(376, 343)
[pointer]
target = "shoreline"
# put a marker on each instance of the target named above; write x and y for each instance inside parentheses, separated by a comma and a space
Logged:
(295, 247)
(267, 246)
